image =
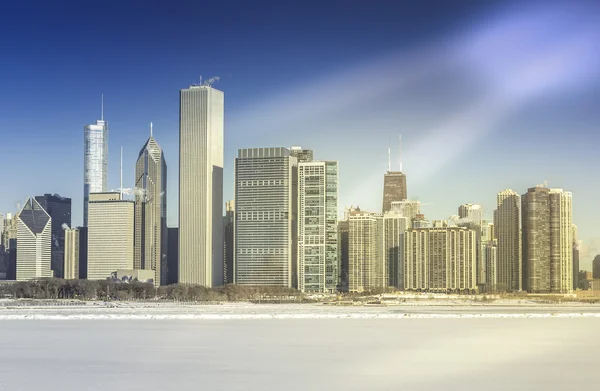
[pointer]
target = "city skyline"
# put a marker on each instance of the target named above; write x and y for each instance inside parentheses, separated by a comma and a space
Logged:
(440, 178)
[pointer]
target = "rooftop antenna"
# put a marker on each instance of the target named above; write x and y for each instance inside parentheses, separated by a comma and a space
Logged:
(400, 153)
(150, 129)
(389, 157)
(121, 187)
(102, 108)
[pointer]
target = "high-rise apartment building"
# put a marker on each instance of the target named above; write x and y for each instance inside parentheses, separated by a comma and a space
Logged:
(490, 255)
(266, 202)
(367, 265)
(317, 226)
(172, 256)
(507, 228)
(110, 235)
(575, 272)
(95, 160)
(471, 216)
(34, 236)
(228, 235)
(547, 240)
(59, 209)
(440, 259)
(151, 241)
(71, 262)
(201, 122)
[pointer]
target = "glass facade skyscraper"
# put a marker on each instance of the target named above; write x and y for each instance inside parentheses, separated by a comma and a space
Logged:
(95, 161)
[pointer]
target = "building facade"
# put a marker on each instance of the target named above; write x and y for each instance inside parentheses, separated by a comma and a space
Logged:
(201, 122)
(59, 209)
(366, 261)
(407, 208)
(71, 261)
(34, 237)
(317, 226)
(228, 235)
(266, 203)
(394, 228)
(110, 235)
(302, 155)
(151, 241)
(596, 267)
(490, 254)
(95, 161)
(507, 228)
(440, 259)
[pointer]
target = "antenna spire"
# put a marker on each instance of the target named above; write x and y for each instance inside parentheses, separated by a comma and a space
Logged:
(150, 129)
(389, 157)
(121, 187)
(400, 153)
(102, 107)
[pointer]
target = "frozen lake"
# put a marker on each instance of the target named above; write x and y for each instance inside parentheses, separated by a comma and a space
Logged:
(300, 354)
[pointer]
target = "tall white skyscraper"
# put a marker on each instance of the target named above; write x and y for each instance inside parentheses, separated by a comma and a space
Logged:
(95, 160)
(34, 234)
(265, 227)
(150, 252)
(201, 111)
(317, 226)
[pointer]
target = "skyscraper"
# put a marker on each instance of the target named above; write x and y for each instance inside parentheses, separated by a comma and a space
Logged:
(407, 208)
(367, 264)
(59, 209)
(201, 110)
(471, 215)
(34, 235)
(394, 184)
(150, 248)
(95, 160)
(490, 255)
(507, 228)
(596, 267)
(575, 258)
(547, 240)
(317, 226)
(394, 229)
(110, 235)
(266, 203)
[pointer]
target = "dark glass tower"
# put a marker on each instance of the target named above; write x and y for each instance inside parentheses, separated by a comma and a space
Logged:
(59, 209)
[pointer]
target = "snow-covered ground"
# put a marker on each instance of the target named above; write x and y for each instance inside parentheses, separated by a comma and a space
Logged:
(295, 354)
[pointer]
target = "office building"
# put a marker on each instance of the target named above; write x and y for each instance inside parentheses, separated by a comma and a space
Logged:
(547, 240)
(9, 234)
(394, 189)
(596, 267)
(71, 262)
(59, 209)
(440, 259)
(317, 226)
(95, 160)
(406, 208)
(34, 236)
(201, 110)
(367, 264)
(266, 202)
(302, 155)
(507, 228)
(172, 256)
(228, 234)
(150, 246)
(110, 235)
(490, 256)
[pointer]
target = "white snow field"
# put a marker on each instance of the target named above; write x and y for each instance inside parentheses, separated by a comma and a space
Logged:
(299, 347)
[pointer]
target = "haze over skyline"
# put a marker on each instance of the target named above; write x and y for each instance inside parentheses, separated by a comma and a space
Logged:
(486, 96)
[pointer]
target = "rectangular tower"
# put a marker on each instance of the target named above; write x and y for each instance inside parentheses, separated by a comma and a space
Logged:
(317, 226)
(507, 228)
(71, 254)
(367, 264)
(266, 202)
(110, 235)
(201, 110)
(95, 161)
(59, 209)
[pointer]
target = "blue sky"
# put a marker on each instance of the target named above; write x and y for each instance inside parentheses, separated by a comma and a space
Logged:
(487, 95)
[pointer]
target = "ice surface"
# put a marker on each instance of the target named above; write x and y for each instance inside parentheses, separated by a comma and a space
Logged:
(276, 347)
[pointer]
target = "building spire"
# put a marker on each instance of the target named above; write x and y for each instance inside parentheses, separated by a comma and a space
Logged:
(150, 129)
(102, 107)
(121, 186)
(400, 153)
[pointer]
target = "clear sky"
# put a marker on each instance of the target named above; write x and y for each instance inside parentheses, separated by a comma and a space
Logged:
(487, 95)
